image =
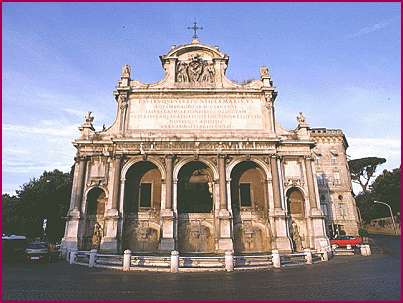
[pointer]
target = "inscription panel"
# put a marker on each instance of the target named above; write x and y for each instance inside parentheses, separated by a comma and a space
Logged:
(224, 113)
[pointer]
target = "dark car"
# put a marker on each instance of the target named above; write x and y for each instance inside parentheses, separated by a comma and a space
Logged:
(343, 241)
(37, 251)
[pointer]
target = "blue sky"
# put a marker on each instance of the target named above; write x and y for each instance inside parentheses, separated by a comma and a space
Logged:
(339, 63)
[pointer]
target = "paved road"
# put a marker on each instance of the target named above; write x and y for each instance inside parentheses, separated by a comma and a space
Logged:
(345, 278)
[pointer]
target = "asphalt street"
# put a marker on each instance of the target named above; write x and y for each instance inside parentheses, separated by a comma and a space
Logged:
(376, 277)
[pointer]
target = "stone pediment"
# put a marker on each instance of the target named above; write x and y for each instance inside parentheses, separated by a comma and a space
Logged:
(197, 66)
(186, 51)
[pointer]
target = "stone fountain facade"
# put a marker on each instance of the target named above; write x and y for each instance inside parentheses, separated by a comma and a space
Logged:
(198, 163)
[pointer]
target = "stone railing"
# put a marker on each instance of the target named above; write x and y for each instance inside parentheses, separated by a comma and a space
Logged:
(227, 262)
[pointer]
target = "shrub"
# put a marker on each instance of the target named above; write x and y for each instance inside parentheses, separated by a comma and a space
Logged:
(363, 232)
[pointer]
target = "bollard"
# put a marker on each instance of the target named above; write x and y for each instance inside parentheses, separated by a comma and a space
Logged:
(73, 253)
(174, 261)
(348, 246)
(363, 250)
(308, 256)
(67, 255)
(126, 259)
(229, 260)
(93, 255)
(368, 249)
(275, 257)
(325, 256)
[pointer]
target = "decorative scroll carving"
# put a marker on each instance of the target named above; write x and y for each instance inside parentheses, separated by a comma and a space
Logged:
(197, 70)
(294, 182)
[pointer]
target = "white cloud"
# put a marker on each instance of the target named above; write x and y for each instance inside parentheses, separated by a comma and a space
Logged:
(59, 131)
(388, 148)
(371, 28)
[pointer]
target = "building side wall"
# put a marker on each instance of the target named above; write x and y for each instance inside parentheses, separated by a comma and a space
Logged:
(334, 182)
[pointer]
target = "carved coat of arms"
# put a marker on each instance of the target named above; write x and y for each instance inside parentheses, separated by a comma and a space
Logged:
(197, 70)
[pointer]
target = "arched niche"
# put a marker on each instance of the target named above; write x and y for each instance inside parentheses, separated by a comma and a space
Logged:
(296, 221)
(295, 202)
(94, 218)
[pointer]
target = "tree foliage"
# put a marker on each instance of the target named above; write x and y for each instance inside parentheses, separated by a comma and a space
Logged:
(385, 188)
(363, 169)
(44, 198)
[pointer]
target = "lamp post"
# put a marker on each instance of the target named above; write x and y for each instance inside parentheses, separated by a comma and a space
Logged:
(359, 215)
(391, 214)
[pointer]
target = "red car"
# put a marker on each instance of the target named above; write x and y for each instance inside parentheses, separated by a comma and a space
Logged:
(343, 241)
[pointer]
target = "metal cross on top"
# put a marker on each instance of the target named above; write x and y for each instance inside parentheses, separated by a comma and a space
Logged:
(195, 28)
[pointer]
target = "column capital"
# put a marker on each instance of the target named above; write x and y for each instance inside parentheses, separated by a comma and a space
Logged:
(222, 156)
(276, 156)
(117, 157)
(170, 156)
(81, 158)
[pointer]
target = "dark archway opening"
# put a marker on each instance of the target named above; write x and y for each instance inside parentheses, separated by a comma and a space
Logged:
(142, 187)
(248, 194)
(195, 188)
(142, 195)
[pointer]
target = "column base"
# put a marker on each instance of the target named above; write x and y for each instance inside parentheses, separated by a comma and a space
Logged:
(283, 244)
(225, 244)
(167, 244)
(68, 244)
(109, 245)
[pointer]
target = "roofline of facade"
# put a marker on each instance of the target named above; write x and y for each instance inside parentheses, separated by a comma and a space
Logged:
(329, 132)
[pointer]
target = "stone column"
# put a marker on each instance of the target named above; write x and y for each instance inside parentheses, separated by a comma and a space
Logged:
(279, 215)
(117, 164)
(70, 240)
(225, 241)
(81, 182)
(168, 181)
(318, 237)
(110, 241)
(167, 242)
(275, 182)
(310, 182)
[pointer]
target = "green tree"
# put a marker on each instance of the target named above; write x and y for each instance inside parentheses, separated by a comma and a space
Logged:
(386, 188)
(47, 197)
(363, 169)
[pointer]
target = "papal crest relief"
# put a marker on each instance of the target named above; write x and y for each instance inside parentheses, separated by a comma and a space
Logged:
(196, 70)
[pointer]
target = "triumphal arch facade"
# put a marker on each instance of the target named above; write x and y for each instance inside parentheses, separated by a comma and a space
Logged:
(197, 163)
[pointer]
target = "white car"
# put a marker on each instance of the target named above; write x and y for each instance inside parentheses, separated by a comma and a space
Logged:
(37, 251)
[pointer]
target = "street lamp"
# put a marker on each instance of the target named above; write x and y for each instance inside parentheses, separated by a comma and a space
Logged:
(391, 214)
(359, 215)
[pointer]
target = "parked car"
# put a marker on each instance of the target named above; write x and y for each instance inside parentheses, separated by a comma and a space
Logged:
(343, 241)
(37, 251)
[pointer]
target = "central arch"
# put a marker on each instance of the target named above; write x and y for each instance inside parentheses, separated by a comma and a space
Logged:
(195, 205)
